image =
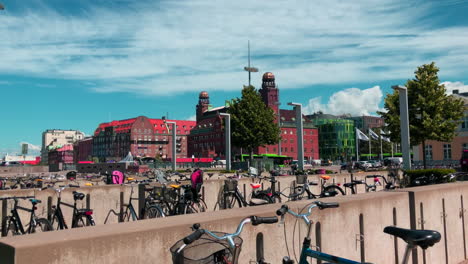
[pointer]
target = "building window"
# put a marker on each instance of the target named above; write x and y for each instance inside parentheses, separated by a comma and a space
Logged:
(292, 149)
(447, 151)
(428, 152)
(465, 146)
(464, 124)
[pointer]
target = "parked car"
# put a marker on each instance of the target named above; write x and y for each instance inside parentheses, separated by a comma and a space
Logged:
(375, 163)
(11, 163)
(364, 165)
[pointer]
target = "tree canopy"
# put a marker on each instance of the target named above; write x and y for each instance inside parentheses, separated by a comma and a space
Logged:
(433, 115)
(253, 123)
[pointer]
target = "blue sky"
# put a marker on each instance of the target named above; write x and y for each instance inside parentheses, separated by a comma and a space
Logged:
(74, 64)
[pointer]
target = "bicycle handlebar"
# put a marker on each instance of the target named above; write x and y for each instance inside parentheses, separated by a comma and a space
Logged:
(255, 220)
(321, 205)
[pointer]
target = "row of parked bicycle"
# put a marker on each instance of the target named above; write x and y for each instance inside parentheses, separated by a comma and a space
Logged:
(173, 198)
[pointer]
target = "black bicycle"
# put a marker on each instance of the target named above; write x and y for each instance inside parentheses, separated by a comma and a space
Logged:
(177, 199)
(330, 190)
(80, 217)
(12, 225)
(231, 197)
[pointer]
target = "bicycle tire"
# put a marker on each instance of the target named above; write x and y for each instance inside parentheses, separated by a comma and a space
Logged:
(332, 189)
(90, 221)
(231, 201)
(83, 221)
(153, 212)
(301, 194)
(8, 227)
(55, 224)
(195, 207)
(42, 225)
(264, 196)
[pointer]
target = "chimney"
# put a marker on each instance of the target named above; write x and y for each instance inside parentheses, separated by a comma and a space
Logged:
(455, 91)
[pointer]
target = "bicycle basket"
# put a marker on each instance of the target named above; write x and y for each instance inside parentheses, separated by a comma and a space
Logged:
(301, 179)
(170, 195)
(158, 192)
(205, 250)
(230, 185)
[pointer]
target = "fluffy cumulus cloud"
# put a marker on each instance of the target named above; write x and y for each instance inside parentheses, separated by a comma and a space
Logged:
(352, 101)
(144, 47)
(450, 86)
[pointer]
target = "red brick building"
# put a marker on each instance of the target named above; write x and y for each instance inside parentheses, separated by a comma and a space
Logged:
(207, 138)
(142, 136)
(83, 150)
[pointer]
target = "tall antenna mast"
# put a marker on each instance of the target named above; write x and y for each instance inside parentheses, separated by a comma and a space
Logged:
(248, 68)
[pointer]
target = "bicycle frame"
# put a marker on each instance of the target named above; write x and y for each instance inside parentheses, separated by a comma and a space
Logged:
(17, 220)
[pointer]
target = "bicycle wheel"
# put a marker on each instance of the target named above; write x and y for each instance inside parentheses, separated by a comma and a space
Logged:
(55, 223)
(84, 220)
(230, 200)
(331, 191)
(9, 227)
(42, 225)
(153, 212)
(264, 196)
(299, 194)
(195, 207)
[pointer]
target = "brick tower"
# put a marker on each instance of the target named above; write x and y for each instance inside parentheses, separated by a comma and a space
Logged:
(269, 91)
(203, 104)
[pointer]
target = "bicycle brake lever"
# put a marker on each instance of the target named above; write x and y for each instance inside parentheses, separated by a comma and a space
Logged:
(281, 221)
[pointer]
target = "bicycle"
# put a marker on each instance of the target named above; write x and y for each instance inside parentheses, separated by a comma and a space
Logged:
(231, 197)
(173, 202)
(331, 190)
(214, 247)
(413, 238)
(12, 225)
(80, 217)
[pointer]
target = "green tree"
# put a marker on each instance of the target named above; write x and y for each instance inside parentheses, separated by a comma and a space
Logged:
(253, 123)
(433, 115)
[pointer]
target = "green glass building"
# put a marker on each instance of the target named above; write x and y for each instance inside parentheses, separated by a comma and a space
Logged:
(337, 138)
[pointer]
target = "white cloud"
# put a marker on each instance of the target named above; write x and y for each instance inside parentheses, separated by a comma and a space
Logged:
(450, 86)
(349, 101)
(149, 47)
(192, 118)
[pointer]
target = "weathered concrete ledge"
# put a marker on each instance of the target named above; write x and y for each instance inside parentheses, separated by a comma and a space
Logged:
(354, 231)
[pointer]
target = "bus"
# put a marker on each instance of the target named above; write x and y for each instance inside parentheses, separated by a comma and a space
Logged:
(278, 160)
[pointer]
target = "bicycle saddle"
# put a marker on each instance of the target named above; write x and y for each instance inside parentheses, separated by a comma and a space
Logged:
(422, 238)
(78, 195)
(255, 185)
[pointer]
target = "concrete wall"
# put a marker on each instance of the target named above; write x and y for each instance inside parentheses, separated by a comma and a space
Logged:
(23, 169)
(103, 198)
(354, 231)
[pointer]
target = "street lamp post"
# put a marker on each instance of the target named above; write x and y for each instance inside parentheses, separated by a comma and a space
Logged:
(227, 135)
(174, 139)
(279, 125)
(300, 139)
(404, 125)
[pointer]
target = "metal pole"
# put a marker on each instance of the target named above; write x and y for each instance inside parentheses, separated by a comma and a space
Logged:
(299, 132)
(404, 125)
(279, 125)
(174, 150)
(227, 135)
(357, 144)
